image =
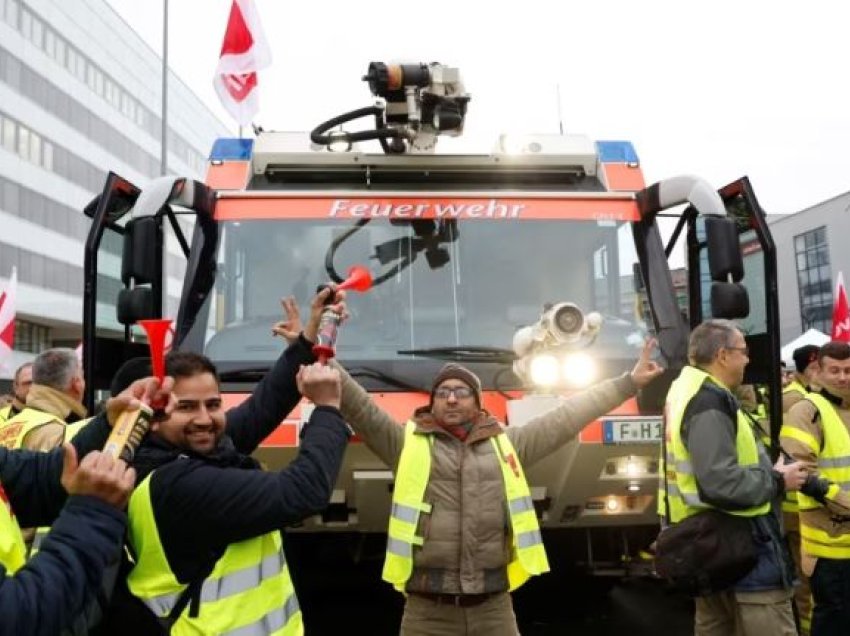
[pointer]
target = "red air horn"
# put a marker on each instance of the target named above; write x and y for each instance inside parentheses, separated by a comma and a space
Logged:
(131, 426)
(359, 279)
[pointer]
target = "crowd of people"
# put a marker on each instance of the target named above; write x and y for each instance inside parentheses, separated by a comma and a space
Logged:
(188, 539)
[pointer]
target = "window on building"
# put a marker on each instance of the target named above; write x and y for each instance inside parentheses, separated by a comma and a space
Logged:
(31, 337)
(814, 279)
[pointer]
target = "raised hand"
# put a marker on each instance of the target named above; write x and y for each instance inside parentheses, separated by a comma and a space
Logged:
(290, 326)
(317, 306)
(320, 384)
(147, 390)
(646, 369)
(98, 475)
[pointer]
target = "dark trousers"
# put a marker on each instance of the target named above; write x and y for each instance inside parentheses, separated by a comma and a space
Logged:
(831, 593)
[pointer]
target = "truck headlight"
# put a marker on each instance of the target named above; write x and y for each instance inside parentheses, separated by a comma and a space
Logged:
(544, 370)
(579, 370)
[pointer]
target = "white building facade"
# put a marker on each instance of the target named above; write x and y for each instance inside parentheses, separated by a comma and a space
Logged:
(80, 95)
(811, 247)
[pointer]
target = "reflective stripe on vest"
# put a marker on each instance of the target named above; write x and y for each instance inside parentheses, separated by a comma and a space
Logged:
(789, 500)
(13, 551)
(248, 593)
(834, 465)
(682, 491)
(528, 556)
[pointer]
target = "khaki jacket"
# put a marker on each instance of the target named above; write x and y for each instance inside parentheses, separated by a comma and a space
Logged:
(65, 408)
(804, 416)
(466, 536)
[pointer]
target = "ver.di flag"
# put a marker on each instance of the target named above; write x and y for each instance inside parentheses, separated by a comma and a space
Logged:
(244, 51)
(841, 312)
(7, 320)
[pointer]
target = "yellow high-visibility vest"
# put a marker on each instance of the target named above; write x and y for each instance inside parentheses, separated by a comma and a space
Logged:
(528, 555)
(834, 465)
(682, 491)
(13, 551)
(14, 430)
(249, 591)
(789, 500)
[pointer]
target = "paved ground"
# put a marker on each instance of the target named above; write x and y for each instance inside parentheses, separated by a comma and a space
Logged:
(338, 596)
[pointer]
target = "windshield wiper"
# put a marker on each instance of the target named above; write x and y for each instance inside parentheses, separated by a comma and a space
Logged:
(386, 378)
(247, 374)
(464, 354)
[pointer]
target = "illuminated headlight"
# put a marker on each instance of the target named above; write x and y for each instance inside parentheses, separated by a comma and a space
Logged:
(579, 370)
(544, 370)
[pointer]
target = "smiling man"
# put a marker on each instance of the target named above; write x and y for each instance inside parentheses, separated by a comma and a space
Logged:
(817, 432)
(463, 532)
(205, 520)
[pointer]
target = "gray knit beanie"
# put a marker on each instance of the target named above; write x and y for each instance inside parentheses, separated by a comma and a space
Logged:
(455, 371)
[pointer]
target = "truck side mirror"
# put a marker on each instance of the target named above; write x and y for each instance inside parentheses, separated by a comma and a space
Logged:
(139, 256)
(729, 299)
(134, 305)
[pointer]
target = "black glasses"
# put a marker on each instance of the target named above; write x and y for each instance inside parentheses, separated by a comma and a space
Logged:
(744, 350)
(460, 392)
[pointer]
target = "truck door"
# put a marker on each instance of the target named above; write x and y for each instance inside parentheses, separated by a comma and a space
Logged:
(758, 259)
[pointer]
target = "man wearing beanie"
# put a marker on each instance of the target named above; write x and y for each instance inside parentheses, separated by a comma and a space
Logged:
(463, 532)
(803, 381)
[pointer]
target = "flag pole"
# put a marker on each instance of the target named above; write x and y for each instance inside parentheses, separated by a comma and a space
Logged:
(164, 142)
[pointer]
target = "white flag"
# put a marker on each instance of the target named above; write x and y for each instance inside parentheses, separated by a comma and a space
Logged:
(244, 51)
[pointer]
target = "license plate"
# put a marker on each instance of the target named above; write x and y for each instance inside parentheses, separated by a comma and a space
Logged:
(635, 430)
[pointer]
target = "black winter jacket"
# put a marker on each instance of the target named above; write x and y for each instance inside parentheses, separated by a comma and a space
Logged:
(63, 578)
(202, 503)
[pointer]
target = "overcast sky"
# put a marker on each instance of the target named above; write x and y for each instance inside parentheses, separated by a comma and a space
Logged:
(717, 89)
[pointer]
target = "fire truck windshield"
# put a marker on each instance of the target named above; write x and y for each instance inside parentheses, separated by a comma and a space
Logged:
(469, 283)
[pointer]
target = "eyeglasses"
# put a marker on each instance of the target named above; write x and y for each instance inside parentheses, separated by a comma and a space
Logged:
(460, 392)
(744, 350)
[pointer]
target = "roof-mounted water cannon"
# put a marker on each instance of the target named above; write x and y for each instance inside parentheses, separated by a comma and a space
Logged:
(417, 103)
(549, 351)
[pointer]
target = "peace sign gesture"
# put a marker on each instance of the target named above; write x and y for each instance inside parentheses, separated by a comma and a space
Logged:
(646, 369)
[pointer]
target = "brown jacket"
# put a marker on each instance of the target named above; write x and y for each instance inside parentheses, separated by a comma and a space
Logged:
(466, 536)
(804, 417)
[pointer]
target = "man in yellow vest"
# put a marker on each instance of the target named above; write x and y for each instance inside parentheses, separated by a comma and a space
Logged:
(716, 460)
(54, 400)
(463, 531)
(804, 378)
(799, 384)
(84, 501)
(20, 387)
(817, 431)
(205, 520)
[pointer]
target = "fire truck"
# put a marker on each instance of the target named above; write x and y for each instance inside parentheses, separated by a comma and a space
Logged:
(538, 263)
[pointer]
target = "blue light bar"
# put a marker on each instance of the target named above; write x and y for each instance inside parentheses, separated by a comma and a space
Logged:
(228, 149)
(617, 152)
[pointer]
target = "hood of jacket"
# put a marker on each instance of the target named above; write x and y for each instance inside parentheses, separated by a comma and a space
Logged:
(62, 405)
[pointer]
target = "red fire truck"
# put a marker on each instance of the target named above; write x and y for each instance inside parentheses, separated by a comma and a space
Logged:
(538, 263)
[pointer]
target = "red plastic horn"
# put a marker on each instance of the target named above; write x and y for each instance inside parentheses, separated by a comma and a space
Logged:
(359, 279)
(156, 331)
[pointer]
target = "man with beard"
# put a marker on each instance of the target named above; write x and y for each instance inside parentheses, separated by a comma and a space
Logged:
(205, 521)
(816, 432)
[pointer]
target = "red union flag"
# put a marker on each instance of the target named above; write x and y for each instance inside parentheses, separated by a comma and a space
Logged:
(243, 53)
(7, 320)
(841, 312)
